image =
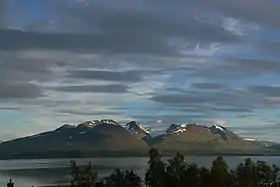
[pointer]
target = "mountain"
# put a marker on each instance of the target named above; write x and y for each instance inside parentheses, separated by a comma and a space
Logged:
(138, 130)
(92, 138)
(109, 138)
(200, 139)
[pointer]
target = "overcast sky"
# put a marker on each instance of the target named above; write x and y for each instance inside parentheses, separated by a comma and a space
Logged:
(154, 61)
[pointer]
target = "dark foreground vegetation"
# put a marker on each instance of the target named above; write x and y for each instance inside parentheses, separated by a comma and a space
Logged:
(177, 173)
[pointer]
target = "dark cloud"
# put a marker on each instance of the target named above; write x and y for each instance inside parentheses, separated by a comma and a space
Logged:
(227, 100)
(210, 86)
(235, 68)
(85, 112)
(119, 43)
(269, 91)
(19, 90)
(111, 88)
(105, 75)
(3, 13)
(201, 108)
(232, 110)
(145, 21)
(259, 11)
(11, 108)
(272, 47)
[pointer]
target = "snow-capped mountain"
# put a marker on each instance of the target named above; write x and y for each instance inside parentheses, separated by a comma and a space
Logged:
(173, 129)
(109, 121)
(140, 131)
(200, 139)
(85, 126)
(88, 138)
(136, 128)
(223, 132)
(109, 137)
(217, 130)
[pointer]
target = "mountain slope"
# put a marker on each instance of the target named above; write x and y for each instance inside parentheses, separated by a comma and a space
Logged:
(108, 138)
(90, 137)
(198, 139)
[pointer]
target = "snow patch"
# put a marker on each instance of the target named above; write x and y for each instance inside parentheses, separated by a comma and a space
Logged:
(250, 139)
(219, 127)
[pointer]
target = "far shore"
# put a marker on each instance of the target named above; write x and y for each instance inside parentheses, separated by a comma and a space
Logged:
(57, 185)
(135, 155)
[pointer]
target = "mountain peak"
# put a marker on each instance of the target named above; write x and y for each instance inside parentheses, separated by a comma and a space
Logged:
(178, 128)
(223, 132)
(219, 127)
(88, 124)
(135, 128)
(109, 121)
(65, 127)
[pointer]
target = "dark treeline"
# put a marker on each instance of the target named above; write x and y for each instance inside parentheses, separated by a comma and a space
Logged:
(178, 173)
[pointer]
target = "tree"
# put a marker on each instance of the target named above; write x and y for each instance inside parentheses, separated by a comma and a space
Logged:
(256, 174)
(219, 174)
(204, 177)
(155, 176)
(83, 176)
(175, 171)
(123, 179)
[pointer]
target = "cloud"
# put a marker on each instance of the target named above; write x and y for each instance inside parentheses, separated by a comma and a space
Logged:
(19, 90)
(105, 43)
(3, 13)
(269, 91)
(12, 108)
(208, 86)
(259, 11)
(180, 61)
(220, 101)
(105, 75)
(235, 68)
(85, 112)
(134, 18)
(111, 88)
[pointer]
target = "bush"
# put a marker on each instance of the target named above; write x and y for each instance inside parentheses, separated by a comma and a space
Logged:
(122, 179)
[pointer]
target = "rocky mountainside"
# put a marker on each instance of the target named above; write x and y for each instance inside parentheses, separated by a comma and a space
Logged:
(199, 139)
(109, 138)
(138, 130)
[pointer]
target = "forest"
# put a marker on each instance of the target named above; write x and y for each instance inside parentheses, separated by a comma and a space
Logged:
(176, 172)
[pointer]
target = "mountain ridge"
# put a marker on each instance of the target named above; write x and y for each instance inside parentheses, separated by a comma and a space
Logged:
(108, 138)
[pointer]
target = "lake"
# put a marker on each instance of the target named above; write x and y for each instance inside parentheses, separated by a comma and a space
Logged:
(26, 173)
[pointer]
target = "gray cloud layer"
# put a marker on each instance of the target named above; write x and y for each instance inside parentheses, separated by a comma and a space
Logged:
(180, 58)
(3, 13)
(105, 75)
(111, 88)
(208, 86)
(259, 11)
(97, 43)
(269, 91)
(19, 90)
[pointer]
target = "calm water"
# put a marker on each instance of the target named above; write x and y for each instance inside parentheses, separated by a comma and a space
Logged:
(26, 173)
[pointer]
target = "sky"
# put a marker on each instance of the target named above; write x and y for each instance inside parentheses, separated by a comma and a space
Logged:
(157, 62)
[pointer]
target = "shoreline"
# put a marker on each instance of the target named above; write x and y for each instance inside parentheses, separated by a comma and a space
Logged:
(138, 156)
